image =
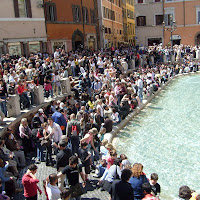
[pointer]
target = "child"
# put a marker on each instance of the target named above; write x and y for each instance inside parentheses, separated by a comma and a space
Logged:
(84, 155)
(154, 184)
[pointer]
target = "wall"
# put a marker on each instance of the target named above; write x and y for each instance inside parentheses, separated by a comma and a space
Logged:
(187, 27)
(64, 27)
(148, 9)
(12, 27)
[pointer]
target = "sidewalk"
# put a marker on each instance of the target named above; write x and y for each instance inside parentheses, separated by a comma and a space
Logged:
(44, 171)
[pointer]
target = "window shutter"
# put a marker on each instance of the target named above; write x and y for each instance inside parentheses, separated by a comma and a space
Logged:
(137, 21)
(74, 13)
(55, 12)
(199, 17)
(144, 21)
(87, 16)
(79, 10)
(28, 8)
(16, 8)
(47, 14)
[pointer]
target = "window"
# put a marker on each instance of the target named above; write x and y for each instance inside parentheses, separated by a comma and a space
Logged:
(22, 8)
(198, 19)
(85, 15)
(50, 12)
(109, 30)
(76, 10)
(168, 19)
(106, 30)
(130, 14)
(104, 12)
(198, 14)
(140, 1)
(159, 19)
(92, 14)
(120, 32)
(157, 0)
(141, 21)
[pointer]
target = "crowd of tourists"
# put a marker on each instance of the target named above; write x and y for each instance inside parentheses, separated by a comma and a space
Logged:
(70, 134)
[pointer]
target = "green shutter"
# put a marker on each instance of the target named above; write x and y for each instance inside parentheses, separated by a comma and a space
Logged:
(28, 8)
(16, 8)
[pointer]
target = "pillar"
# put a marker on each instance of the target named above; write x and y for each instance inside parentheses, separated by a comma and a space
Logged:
(65, 85)
(13, 106)
(38, 95)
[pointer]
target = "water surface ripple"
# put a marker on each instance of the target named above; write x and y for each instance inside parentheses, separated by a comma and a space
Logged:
(164, 137)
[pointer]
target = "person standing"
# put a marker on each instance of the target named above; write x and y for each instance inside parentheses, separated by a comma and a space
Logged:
(56, 132)
(72, 172)
(29, 182)
(62, 160)
(121, 189)
(72, 131)
(52, 189)
(140, 88)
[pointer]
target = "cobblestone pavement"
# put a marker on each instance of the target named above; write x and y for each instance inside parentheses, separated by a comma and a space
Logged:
(43, 172)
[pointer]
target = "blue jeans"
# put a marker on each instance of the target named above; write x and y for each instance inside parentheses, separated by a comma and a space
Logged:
(32, 97)
(140, 93)
(75, 144)
(40, 153)
(73, 71)
(3, 106)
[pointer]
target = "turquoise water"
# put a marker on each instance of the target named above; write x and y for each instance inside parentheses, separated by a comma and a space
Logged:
(164, 137)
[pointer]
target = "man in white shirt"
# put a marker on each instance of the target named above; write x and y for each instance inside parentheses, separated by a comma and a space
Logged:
(52, 189)
(140, 88)
(56, 53)
(101, 66)
(57, 133)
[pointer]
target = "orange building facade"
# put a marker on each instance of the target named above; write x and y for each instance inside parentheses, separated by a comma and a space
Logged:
(186, 17)
(110, 23)
(70, 24)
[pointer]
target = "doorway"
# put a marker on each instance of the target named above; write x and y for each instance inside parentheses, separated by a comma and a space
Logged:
(77, 40)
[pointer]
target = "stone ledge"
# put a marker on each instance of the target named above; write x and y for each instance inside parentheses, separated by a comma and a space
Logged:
(14, 122)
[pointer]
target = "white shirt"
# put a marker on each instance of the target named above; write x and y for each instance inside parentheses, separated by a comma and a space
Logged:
(140, 84)
(57, 132)
(53, 192)
(56, 54)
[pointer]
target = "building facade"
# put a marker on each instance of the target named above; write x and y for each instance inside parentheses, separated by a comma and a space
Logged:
(70, 24)
(110, 23)
(128, 21)
(22, 27)
(185, 14)
(149, 22)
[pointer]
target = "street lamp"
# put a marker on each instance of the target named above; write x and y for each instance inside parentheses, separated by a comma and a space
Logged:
(172, 27)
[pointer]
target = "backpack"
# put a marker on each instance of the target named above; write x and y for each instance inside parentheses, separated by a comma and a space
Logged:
(74, 131)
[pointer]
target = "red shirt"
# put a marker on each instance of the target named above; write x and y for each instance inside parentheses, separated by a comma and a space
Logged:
(30, 185)
(20, 89)
(110, 162)
(150, 197)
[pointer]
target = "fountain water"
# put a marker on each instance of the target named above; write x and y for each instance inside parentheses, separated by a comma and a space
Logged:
(164, 137)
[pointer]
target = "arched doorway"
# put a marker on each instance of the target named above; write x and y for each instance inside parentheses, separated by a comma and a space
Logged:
(77, 40)
(197, 39)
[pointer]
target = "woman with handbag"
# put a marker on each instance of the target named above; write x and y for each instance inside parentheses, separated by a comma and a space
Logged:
(57, 84)
(47, 142)
(113, 173)
(40, 148)
(25, 134)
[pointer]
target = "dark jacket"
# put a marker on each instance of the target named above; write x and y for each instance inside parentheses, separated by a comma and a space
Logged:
(62, 158)
(121, 190)
(73, 122)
